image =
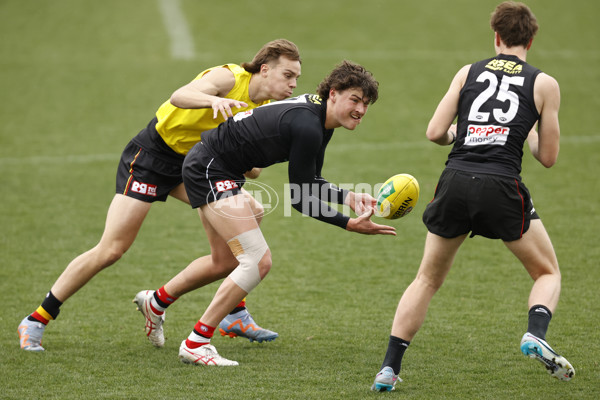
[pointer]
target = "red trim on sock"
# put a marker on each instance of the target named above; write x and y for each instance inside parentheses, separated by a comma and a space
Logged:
(242, 304)
(38, 317)
(165, 297)
(155, 311)
(204, 330)
(194, 345)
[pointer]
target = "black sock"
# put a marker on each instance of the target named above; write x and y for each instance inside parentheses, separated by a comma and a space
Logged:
(159, 301)
(237, 309)
(539, 319)
(394, 354)
(51, 305)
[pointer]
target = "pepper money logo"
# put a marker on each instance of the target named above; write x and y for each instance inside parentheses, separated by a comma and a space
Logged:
(231, 206)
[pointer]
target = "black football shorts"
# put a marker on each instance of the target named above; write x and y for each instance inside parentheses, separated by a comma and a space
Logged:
(145, 176)
(207, 179)
(493, 206)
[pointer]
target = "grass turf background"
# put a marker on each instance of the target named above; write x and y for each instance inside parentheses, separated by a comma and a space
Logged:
(79, 79)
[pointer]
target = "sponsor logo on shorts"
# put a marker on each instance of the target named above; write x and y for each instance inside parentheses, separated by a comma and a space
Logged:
(144, 188)
(253, 192)
(486, 134)
(226, 185)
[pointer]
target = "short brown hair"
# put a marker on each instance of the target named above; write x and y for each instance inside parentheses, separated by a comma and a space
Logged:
(272, 51)
(515, 23)
(348, 75)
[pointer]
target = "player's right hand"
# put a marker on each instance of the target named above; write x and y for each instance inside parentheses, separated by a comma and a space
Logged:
(364, 225)
(223, 106)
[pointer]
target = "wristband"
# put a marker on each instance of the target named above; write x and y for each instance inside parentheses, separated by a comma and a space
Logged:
(453, 137)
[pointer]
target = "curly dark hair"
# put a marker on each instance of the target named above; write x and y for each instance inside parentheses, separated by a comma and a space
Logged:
(348, 75)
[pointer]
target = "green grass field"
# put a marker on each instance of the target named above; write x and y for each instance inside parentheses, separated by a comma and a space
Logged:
(79, 79)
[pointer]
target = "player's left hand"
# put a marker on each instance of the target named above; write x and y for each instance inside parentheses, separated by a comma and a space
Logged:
(360, 203)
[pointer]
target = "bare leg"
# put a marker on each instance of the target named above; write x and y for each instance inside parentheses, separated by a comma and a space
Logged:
(210, 268)
(227, 297)
(238, 223)
(536, 253)
(437, 259)
(218, 227)
(200, 272)
(123, 222)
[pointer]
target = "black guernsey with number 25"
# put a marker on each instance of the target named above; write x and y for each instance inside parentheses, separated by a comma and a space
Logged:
(496, 112)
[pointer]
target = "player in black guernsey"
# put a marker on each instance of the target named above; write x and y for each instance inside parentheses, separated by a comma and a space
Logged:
(289, 130)
(296, 131)
(497, 103)
(492, 127)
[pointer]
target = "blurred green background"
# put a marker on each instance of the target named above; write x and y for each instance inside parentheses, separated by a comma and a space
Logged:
(79, 79)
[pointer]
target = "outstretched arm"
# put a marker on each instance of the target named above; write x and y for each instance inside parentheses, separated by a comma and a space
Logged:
(208, 92)
(303, 130)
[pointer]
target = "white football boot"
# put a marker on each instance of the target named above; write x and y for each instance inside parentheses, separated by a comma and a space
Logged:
(203, 355)
(154, 323)
(557, 365)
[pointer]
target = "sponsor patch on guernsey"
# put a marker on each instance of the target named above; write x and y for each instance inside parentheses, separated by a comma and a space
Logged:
(478, 135)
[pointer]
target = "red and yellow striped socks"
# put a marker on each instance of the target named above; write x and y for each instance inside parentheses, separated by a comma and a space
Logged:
(48, 310)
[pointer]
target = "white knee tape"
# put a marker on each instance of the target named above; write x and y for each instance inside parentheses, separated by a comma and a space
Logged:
(249, 248)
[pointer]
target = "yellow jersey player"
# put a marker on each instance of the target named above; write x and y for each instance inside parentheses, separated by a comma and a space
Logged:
(150, 170)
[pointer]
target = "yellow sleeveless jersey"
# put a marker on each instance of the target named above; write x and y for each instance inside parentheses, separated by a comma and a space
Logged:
(181, 128)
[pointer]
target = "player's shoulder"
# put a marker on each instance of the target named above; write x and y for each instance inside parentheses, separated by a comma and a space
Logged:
(546, 84)
(235, 68)
(460, 78)
(464, 71)
(220, 71)
(301, 103)
(545, 79)
(221, 77)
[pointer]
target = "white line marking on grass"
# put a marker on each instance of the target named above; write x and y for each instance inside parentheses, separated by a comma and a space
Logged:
(66, 159)
(182, 42)
(334, 148)
(468, 56)
(580, 139)
(400, 145)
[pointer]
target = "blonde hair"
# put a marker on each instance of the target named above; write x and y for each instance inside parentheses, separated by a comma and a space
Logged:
(271, 52)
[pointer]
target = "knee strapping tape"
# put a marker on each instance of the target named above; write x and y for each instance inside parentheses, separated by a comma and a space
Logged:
(249, 248)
